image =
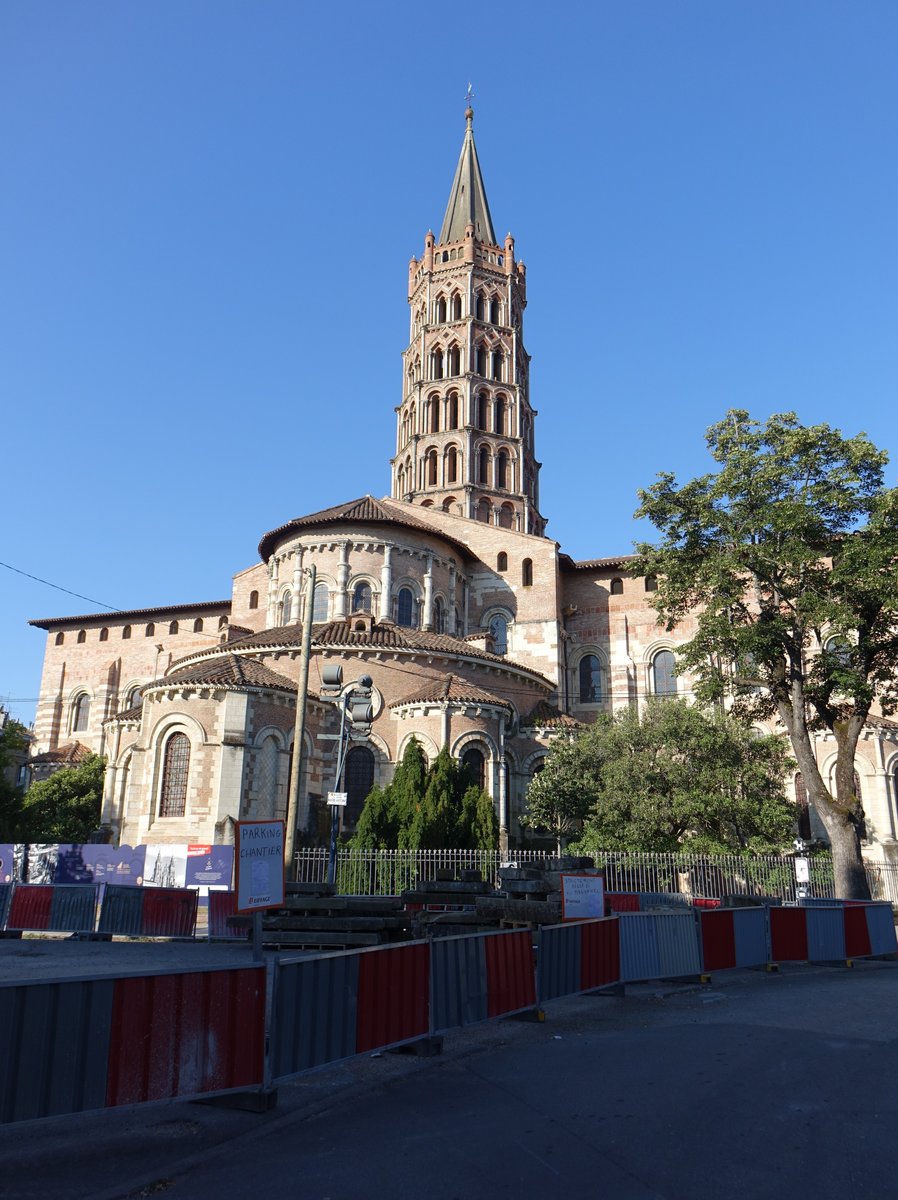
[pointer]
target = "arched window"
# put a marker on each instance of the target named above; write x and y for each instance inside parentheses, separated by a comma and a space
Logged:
(441, 310)
(439, 616)
(482, 408)
(617, 587)
(527, 572)
(456, 307)
(60, 639)
(173, 627)
(286, 608)
(590, 679)
(267, 777)
(451, 465)
(804, 811)
(358, 781)
(198, 625)
(321, 603)
(433, 414)
(474, 761)
(82, 636)
(481, 362)
(506, 516)
(499, 630)
(483, 465)
(80, 713)
(502, 561)
(437, 360)
(452, 411)
(664, 680)
(498, 363)
(454, 360)
(431, 468)
(150, 630)
(126, 632)
(175, 766)
(104, 635)
(651, 583)
(502, 469)
(135, 697)
(494, 311)
(449, 504)
(361, 598)
(406, 608)
(253, 600)
(480, 307)
(484, 511)
(223, 621)
(499, 416)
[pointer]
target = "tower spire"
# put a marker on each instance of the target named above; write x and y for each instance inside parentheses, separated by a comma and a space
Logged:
(467, 199)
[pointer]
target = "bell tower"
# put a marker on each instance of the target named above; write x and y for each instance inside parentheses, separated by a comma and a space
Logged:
(464, 430)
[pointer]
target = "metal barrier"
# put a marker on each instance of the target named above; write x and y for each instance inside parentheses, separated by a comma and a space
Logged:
(72, 1046)
(330, 1007)
(53, 908)
(577, 957)
(658, 945)
(148, 912)
(478, 976)
(5, 894)
(222, 905)
(733, 937)
(807, 934)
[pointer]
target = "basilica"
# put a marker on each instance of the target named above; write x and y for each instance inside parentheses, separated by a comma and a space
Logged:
(479, 633)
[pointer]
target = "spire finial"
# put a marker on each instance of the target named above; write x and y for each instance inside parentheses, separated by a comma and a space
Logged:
(469, 111)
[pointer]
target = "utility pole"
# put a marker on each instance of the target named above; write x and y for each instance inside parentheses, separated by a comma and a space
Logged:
(299, 727)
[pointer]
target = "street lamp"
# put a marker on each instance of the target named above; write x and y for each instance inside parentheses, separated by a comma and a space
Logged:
(356, 715)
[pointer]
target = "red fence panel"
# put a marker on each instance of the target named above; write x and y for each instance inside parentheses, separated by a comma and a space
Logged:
(221, 906)
(718, 937)
(599, 953)
(186, 1034)
(31, 906)
(393, 995)
(857, 935)
(789, 934)
(169, 912)
(616, 902)
(509, 972)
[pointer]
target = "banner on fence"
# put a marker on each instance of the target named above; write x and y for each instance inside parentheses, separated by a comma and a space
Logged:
(209, 867)
(582, 895)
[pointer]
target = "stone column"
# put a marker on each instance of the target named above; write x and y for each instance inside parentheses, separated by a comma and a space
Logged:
(386, 584)
(427, 622)
(271, 618)
(452, 602)
(297, 585)
(340, 598)
(502, 767)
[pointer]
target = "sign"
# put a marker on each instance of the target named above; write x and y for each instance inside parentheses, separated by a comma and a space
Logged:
(337, 799)
(209, 866)
(802, 870)
(582, 895)
(259, 858)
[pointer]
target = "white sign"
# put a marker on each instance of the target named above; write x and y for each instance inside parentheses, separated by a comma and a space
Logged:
(582, 895)
(337, 799)
(259, 858)
(802, 870)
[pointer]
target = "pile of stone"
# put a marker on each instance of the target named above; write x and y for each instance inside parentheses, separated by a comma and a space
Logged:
(314, 917)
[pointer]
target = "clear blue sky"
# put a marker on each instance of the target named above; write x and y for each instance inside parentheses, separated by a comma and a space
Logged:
(208, 208)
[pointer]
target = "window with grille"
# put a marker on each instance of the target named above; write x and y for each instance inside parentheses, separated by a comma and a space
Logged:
(474, 761)
(361, 598)
(173, 798)
(406, 607)
(499, 630)
(590, 679)
(357, 781)
(321, 602)
(81, 713)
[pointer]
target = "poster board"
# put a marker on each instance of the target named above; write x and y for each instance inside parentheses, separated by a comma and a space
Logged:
(582, 895)
(259, 865)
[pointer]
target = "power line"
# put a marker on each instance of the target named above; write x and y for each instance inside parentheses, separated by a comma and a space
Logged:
(68, 591)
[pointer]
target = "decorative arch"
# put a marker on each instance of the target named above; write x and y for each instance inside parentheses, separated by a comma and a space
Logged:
(590, 671)
(363, 592)
(79, 711)
(425, 741)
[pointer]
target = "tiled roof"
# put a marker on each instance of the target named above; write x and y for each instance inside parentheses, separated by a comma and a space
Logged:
(364, 510)
(547, 716)
(881, 722)
(127, 714)
(229, 671)
(68, 755)
(451, 689)
(594, 564)
(172, 610)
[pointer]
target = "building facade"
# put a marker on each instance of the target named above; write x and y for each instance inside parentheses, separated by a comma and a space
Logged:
(478, 632)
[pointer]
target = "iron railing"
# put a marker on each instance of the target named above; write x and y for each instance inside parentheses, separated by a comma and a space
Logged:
(389, 872)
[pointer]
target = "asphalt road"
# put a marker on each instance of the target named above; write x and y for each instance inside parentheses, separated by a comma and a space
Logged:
(757, 1086)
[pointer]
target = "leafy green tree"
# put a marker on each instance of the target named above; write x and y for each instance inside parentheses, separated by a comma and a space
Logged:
(66, 807)
(787, 559)
(675, 778)
(13, 738)
(427, 808)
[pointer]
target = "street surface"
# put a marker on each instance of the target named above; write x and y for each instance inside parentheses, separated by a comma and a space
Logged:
(780, 1085)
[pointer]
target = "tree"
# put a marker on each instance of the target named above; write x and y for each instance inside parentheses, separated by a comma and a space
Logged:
(66, 807)
(13, 739)
(673, 778)
(427, 808)
(786, 559)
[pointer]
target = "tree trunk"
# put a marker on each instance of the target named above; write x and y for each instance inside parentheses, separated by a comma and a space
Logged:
(848, 865)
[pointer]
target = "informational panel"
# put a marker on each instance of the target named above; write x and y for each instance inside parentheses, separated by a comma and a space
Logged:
(209, 867)
(259, 859)
(582, 895)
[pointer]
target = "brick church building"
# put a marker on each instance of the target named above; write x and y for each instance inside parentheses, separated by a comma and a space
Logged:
(479, 633)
